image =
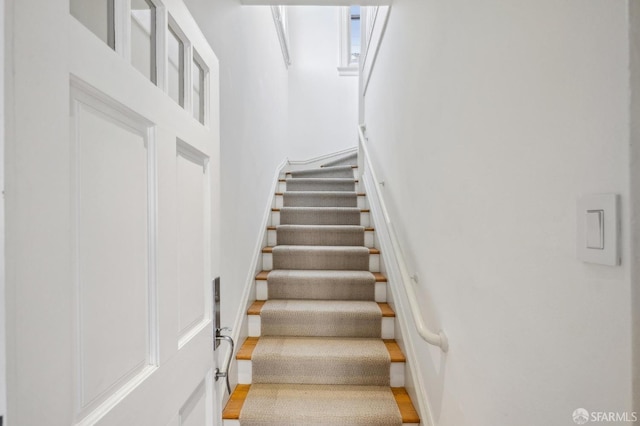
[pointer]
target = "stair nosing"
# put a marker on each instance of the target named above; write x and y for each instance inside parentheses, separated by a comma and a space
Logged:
(380, 278)
(245, 353)
(239, 395)
(385, 308)
(269, 249)
(277, 209)
(366, 228)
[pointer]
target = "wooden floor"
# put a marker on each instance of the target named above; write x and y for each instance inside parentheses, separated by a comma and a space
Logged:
(234, 406)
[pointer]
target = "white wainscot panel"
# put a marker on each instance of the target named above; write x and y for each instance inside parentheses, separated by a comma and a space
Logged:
(114, 304)
(192, 190)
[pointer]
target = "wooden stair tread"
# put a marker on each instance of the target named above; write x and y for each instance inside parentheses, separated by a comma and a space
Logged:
(275, 209)
(386, 310)
(239, 395)
(256, 307)
(275, 228)
(269, 249)
(379, 277)
(360, 194)
(246, 350)
(236, 401)
(284, 180)
(262, 276)
(407, 410)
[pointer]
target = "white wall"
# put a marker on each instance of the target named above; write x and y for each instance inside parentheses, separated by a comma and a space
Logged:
(3, 379)
(253, 114)
(323, 106)
(487, 120)
(634, 34)
(269, 113)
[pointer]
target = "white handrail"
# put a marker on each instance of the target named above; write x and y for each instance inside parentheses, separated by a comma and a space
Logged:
(436, 339)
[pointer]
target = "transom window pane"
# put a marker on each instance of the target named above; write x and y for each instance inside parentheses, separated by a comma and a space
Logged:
(97, 16)
(198, 91)
(354, 28)
(143, 37)
(176, 67)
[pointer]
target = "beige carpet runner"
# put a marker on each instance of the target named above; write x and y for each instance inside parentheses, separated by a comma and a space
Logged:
(323, 285)
(320, 359)
(321, 235)
(341, 361)
(319, 405)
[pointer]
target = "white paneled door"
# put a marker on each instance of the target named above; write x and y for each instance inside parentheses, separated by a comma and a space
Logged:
(112, 210)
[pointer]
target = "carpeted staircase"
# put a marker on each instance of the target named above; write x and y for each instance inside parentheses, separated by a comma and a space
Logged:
(321, 348)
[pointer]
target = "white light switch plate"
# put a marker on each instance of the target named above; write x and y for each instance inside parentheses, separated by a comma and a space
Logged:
(598, 235)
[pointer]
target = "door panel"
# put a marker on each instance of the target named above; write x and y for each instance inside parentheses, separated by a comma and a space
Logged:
(116, 293)
(194, 292)
(111, 221)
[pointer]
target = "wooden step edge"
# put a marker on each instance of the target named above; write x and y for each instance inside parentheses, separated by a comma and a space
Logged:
(366, 229)
(262, 276)
(256, 308)
(386, 310)
(246, 350)
(236, 401)
(379, 277)
(239, 395)
(395, 353)
(275, 209)
(245, 353)
(284, 180)
(407, 410)
(359, 194)
(269, 249)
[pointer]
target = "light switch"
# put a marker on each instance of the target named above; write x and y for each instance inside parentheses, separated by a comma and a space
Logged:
(595, 229)
(598, 220)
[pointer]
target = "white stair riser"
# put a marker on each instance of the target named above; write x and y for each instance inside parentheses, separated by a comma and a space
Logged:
(369, 238)
(396, 371)
(380, 292)
(388, 326)
(262, 291)
(374, 262)
(365, 219)
(362, 202)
